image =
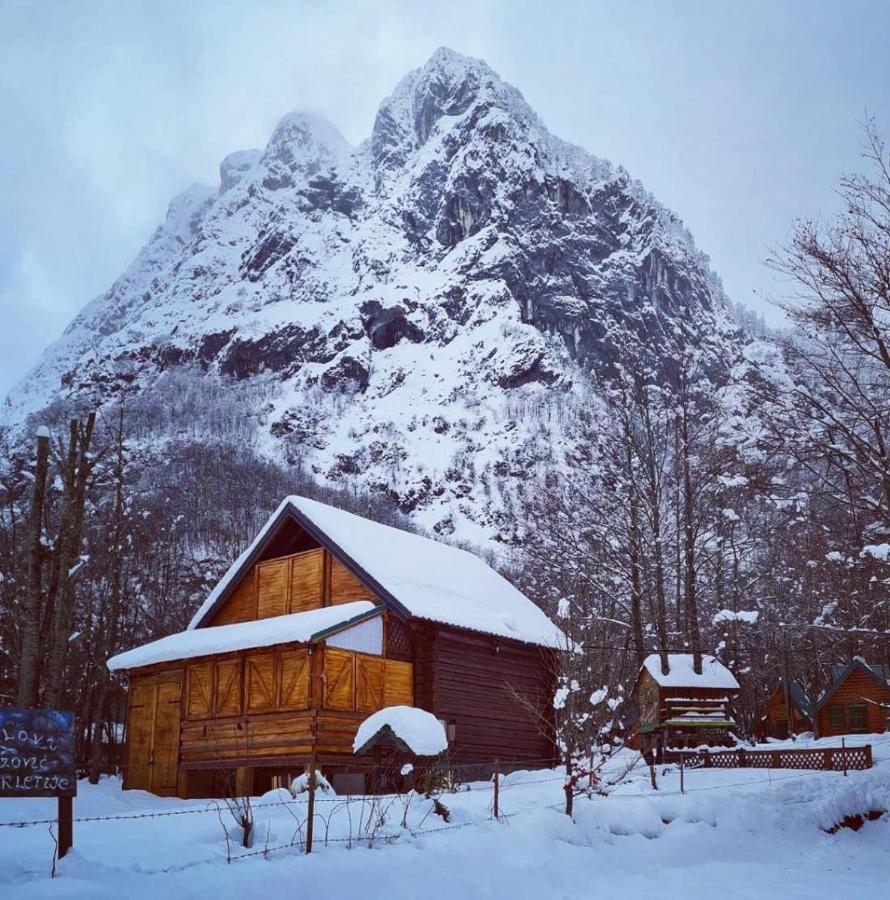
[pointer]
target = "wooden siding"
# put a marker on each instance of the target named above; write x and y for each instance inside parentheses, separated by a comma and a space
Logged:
(776, 717)
(398, 688)
(857, 689)
(345, 587)
(485, 686)
(241, 605)
(295, 583)
(263, 704)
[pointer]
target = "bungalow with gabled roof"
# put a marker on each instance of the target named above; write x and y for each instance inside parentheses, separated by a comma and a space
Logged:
(795, 709)
(324, 619)
(856, 702)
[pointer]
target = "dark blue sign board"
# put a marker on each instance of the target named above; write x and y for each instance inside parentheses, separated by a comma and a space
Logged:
(37, 753)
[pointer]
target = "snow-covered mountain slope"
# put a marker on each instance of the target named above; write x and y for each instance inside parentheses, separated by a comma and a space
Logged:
(412, 307)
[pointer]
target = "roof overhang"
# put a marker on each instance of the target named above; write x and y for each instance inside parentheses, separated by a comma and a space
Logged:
(304, 628)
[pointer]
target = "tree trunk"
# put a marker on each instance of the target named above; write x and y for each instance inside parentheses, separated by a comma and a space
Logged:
(654, 499)
(67, 558)
(568, 787)
(29, 666)
(689, 583)
(636, 586)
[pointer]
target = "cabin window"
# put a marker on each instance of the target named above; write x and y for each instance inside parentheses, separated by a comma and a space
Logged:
(857, 717)
(836, 716)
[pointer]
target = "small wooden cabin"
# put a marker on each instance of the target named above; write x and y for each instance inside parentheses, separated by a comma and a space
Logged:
(857, 701)
(324, 619)
(682, 708)
(776, 718)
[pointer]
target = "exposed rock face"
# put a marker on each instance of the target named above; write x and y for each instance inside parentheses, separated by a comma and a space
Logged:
(410, 299)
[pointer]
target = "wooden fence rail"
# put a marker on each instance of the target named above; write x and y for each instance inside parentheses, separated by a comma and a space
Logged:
(833, 759)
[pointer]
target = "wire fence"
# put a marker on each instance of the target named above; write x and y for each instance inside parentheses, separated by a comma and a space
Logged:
(499, 785)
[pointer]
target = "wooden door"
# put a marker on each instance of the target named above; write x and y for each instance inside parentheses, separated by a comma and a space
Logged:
(165, 744)
(140, 724)
(153, 734)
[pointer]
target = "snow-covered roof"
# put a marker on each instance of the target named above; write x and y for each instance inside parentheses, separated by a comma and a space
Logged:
(839, 676)
(419, 730)
(302, 627)
(428, 579)
(713, 675)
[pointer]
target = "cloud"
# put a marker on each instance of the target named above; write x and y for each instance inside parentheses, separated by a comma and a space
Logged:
(739, 120)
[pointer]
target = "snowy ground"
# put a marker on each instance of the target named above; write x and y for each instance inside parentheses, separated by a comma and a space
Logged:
(737, 833)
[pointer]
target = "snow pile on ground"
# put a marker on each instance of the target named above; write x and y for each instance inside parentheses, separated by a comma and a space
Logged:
(420, 730)
(739, 833)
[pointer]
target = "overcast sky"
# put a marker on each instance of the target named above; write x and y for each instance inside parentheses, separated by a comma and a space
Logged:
(739, 116)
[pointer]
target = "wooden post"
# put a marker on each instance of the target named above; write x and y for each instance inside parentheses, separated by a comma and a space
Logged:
(310, 821)
(867, 749)
(682, 786)
(741, 755)
(497, 766)
(844, 754)
(66, 825)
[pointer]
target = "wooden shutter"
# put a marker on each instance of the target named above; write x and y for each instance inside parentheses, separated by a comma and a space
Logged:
(399, 687)
(228, 688)
(368, 683)
(293, 680)
(198, 703)
(165, 768)
(305, 580)
(345, 587)
(260, 682)
(339, 681)
(272, 588)
(140, 724)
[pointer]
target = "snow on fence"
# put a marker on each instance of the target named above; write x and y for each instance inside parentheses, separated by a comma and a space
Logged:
(826, 759)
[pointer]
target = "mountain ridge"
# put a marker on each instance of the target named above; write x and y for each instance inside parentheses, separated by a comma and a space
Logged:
(396, 303)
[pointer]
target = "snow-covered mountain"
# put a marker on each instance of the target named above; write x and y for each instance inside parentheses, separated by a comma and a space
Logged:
(411, 310)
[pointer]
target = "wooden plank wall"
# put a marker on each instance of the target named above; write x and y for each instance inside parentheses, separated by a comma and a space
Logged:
(260, 703)
(777, 712)
(856, 686)
(473, 685)
(294, 583)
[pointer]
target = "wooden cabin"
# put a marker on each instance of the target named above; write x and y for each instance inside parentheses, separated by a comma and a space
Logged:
(324, 619)
(682, 708)
(856, 702)
(776, 718)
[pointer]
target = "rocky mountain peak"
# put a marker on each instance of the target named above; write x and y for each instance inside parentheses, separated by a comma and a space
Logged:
(396, 308)
(302, 144)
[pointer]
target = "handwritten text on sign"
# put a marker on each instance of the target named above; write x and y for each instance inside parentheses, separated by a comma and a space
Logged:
(37, 753)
